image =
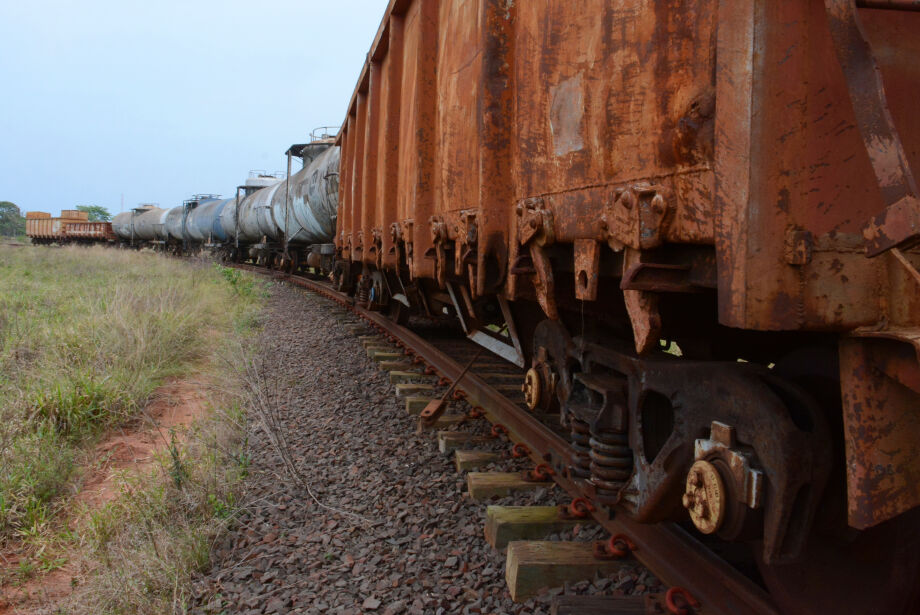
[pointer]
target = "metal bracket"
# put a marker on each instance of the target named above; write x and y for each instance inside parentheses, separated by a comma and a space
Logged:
(637, 218)
(587, 263)
(642, 307)
(407, 226)
(899, 224)
(439, 237)
(377, 245)
(722, 443)
(536, 230)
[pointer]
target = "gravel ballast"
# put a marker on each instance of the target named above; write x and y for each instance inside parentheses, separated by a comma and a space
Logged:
(376, 520)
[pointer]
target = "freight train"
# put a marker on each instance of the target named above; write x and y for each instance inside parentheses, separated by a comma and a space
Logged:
(286, 222)
(601, 181)
(695, 225)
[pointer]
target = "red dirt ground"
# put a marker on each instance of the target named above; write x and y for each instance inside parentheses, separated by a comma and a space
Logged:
(131, 449)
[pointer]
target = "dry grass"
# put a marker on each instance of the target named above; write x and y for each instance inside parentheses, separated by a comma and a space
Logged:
(147, 543)
(85, 336)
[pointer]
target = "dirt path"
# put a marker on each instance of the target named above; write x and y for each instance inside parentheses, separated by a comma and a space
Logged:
(132, 449)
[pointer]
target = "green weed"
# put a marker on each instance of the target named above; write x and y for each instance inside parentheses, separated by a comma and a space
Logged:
(85, 336)
(241, 284)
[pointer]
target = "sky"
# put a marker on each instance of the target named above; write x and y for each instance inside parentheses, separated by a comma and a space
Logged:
(104, 101)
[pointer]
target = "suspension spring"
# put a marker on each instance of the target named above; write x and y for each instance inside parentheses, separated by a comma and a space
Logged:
(581, 442)
(363, 294)
(611, 462)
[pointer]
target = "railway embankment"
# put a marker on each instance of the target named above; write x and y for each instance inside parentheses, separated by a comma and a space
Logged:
(348, 508)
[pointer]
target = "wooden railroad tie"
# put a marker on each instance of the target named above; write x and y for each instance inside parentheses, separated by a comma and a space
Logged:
(402, 365)
(448, 420)
(488, 485)
(466, 460)
(599, 605)
(436, 407)
(449, 441)
(378, 346)
(404, 377)
(385, 355)
(409, 389)
(506, 524)
(414, 405)
(532, 566)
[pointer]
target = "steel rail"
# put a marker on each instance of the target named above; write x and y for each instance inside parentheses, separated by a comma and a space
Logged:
(671, 553)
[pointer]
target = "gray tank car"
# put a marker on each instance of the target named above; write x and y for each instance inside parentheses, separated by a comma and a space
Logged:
(287, 222)
(140, 225)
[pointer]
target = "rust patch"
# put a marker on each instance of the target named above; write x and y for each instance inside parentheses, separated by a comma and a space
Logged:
(880, 380)
(566, 115)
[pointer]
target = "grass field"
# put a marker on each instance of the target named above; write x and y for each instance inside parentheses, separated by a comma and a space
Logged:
(86, 334)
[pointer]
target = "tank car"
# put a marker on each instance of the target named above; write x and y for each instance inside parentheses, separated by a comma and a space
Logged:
(204, 222)
(728, 181)
(121, 225)
(143, 226)
(291, 222)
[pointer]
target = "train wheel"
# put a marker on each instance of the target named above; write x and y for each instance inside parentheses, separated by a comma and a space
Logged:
(549, 377)
(874, 572)
(842, 570)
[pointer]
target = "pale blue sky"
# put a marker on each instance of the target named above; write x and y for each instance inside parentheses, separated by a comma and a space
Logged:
(158, 100)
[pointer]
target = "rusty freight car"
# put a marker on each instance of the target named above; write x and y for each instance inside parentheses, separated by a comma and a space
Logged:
(72, 226)
(89, 232)
(584, 183)
(42, 228)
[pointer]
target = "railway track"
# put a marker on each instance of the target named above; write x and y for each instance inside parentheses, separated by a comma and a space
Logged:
(676, 557)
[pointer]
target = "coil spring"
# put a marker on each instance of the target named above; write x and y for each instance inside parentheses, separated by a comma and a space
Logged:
(363, 294)
(611, 461)
(581, 442)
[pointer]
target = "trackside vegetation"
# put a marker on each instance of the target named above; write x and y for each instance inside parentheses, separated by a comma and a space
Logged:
(86, 336)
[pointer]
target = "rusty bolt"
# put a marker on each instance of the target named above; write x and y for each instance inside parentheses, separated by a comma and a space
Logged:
(688, 598)
(617, 547)
(519, 450)
(476, 412)
(498, 429)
